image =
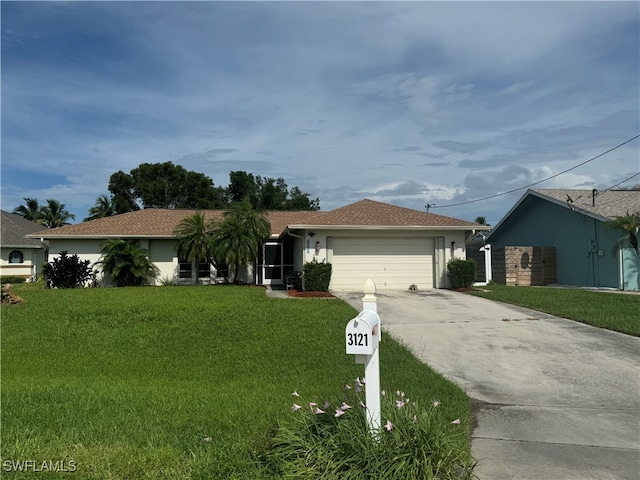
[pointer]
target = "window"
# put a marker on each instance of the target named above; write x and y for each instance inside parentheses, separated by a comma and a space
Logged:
(16, 256)
(204, 270)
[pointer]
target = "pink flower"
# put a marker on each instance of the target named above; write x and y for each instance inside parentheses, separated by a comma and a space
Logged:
(388, 426)
(347, 386)
(295, 394)
(456, 421)
(339, 412)
(362, 404)
(295, 407)
(326, 404)
(436, 403)
(383, 393)
(318, 411)
(207, 439)
(399, 404)
(415, 419)
(358, 382)
(344, 406)
(312, 404)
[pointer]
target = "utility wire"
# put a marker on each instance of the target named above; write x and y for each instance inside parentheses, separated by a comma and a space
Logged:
(620, 183)
(540, 181)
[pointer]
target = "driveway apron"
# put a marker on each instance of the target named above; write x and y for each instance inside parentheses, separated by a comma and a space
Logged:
(554, 399)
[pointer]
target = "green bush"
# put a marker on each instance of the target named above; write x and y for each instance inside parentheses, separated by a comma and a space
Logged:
(332, 440)
(12, 279)
(67, 271)
(462, 273)
(317, 276)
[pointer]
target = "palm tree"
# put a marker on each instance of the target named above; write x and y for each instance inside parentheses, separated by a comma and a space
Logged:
(127, 263)
(55, 215)
(239, 235)
(103, 208)
(630, 223)
(31, 210)
(195, 240)
(482, 221)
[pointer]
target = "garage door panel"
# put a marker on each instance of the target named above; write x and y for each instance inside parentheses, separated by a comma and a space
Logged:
(393, 263)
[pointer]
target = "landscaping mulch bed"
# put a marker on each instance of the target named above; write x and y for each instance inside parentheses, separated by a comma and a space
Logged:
(301, 294)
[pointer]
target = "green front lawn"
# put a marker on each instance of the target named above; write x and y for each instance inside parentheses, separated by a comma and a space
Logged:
(177, 382)
(613, 311)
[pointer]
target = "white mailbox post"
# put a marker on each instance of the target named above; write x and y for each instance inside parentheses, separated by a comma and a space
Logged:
(362, 339)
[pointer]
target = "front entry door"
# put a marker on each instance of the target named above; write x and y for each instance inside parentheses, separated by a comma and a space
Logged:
(272, 263)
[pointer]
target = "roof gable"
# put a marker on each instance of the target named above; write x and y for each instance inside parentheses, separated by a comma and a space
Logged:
(160, 223)
(14, 230)
(602, 206)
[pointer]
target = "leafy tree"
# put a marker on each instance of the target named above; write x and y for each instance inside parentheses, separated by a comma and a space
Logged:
(630, 223)
(265, 193)
(54, 214)
(242, 185)
(195, 239)
(239, 235)
(67, 271)
(123, 193)
(127, 263)
(300, 201)
(163, 185)
(31, 210)
(103, 208)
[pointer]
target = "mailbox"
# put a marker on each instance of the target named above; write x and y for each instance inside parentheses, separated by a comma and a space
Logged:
(363, 333)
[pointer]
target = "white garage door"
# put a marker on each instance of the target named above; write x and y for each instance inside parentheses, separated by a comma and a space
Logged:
(392, 263)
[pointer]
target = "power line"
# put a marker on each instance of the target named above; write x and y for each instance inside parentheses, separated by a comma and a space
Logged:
(620, 183)
(540, 181)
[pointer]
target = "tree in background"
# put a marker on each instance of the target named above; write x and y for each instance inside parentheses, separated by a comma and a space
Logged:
(54, 214)
(127, 263)
(163, 185)
(482, 221)
(238, 236)
(31, 210)
(123, 195)
(103, 208)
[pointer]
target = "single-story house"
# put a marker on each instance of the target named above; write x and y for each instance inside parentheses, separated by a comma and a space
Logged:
(395, 246)
(20, 256)
(573, 221)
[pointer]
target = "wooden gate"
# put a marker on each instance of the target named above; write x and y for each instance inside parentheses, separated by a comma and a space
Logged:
(532, 266)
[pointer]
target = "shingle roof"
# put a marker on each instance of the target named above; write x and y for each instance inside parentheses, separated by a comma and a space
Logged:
(606, 204)
(14, 228)
(156, 223)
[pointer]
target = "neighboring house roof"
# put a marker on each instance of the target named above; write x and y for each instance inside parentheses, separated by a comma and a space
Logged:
(160, 223)
(602, 206)
(14, 230)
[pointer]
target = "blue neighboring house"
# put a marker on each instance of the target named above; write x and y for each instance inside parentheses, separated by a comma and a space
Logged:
(573, 221)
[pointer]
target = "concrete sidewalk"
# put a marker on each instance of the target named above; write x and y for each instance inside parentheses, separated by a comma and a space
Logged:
(554, 399)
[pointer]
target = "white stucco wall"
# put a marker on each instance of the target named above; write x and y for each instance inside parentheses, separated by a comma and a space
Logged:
(33, 258)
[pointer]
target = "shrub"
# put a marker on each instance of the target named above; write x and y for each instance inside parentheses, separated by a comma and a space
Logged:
(462, 273)
(67, 271)
(332, 440)
(317, 276)
(12, 279)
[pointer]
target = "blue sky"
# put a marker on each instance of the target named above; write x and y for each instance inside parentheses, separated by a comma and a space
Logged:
(407, 103)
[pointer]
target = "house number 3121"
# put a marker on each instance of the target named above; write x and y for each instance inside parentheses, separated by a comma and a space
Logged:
(357, 339)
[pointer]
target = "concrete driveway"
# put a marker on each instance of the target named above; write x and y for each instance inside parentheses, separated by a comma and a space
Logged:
(555, 399)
